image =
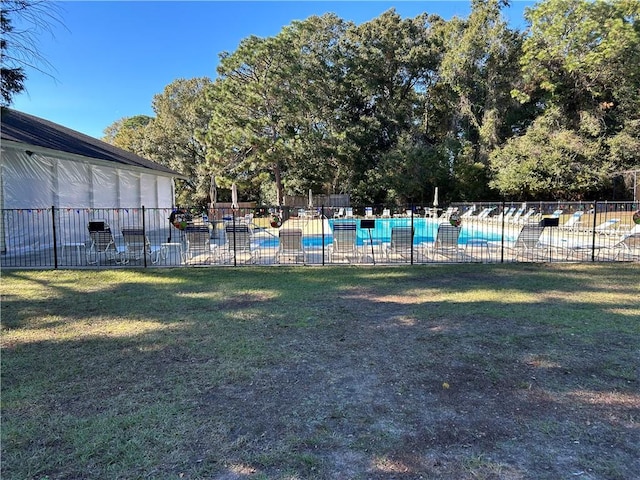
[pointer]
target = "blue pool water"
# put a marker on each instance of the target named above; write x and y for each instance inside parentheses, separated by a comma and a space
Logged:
(425, 231)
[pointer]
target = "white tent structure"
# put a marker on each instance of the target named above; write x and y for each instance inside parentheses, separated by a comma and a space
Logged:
(46, 165)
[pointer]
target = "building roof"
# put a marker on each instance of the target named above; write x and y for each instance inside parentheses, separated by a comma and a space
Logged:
(24, 128)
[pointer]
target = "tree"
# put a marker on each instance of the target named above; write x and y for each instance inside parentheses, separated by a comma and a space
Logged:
(266, 108)
(479, 66)
(386, 62)
(549, 161)
(172, 137)
(581, 65)
(129, 133)
(18, 48)
(175, 135)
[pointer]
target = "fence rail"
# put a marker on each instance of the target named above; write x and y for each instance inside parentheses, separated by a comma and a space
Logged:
(480, 232)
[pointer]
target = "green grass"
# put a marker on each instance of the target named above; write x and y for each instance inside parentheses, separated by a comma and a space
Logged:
(338, 372)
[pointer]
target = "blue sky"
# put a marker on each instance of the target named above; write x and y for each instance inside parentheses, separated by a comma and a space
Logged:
(108, 59)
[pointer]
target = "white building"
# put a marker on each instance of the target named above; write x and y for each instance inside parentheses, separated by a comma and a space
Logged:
(46, 165)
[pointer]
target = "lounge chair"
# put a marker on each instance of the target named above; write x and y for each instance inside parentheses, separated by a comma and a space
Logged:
(199, 247)
(103, 244)
(137, 245)
(386, 213)
(608, 227)
(469, 212)
(447, 213)
(291, 247)
(240, 246)
(524, 246)
(628, 246)
(401, 247)
(574, 221)
(508, 214)
(446, 242)
(503, 215)
(344, 242)
(518, 213)
(484, 214)
(527, 217)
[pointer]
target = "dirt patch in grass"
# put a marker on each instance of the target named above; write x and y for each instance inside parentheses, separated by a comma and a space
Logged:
(347, 374)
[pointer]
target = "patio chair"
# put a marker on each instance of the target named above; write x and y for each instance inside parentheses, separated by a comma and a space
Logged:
(484, 214)
(524, 246)
(446, 242)
(518, 213)
(137, 245)
(609, 227)
(628, 246)
(530, 216)
(102, 244)
(240, 246)
(199, 247)
(447, 213)
(344, 242)
(401, 247)
(574, 221)
(506, 217)
(469, 212)
(291, 248)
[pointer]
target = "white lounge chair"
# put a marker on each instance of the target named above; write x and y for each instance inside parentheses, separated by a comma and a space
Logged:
(628, 246)
(137, 245)
(574, 221)
(525, 246)
(401, 247)
(102, 244)
(518, 213)
(527, 216)
(344, 242)
(291, 247)
(469, 212)
(199, 247)
(608, 227)
(240, 246)
(446, 242)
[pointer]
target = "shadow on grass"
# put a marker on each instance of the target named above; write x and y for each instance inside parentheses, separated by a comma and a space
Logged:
(442, 371)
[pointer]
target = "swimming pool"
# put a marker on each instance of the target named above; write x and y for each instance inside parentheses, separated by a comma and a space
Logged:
(425, 232)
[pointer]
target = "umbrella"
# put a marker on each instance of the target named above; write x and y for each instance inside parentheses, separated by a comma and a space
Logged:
(435, 198)
(310, 199)
(234, 196)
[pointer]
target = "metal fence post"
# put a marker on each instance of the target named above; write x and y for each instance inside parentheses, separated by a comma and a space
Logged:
(412, 234)
(55, 236)
(502, 234)
(593, 234)
(322, 230)
(235, 262)
(144, 241)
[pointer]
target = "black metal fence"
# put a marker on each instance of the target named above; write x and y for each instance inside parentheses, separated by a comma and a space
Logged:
(479, 232)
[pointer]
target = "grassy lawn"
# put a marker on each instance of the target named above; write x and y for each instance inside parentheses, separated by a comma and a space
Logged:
(434, 372)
